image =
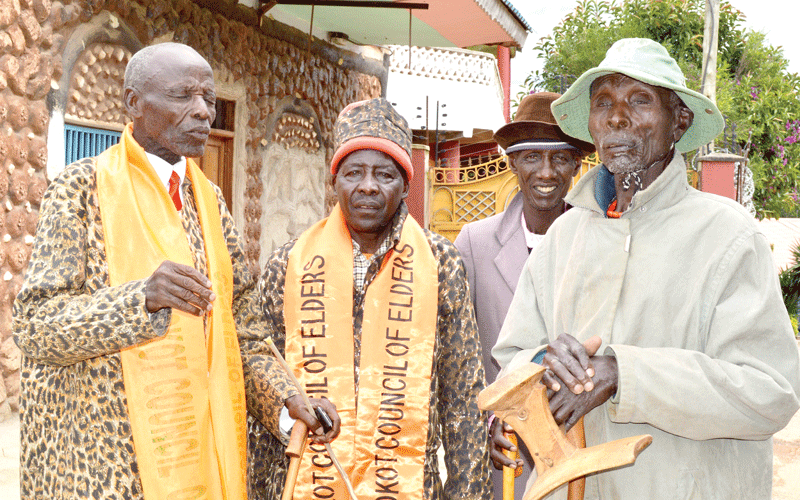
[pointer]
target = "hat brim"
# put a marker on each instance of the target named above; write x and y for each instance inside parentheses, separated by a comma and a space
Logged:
(523, 130)
(571, 110)
(377, 143)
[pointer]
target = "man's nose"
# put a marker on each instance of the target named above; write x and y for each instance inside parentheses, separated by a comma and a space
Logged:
(369, 184)
(619, 116)
(546, 169)
(201, 109)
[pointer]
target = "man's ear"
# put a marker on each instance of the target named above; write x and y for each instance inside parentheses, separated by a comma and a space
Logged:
(132, 102)
(406, 187)
(684, 120)
(578, 164)
(512, 158)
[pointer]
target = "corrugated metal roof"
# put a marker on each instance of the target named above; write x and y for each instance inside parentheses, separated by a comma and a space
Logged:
(516, 13)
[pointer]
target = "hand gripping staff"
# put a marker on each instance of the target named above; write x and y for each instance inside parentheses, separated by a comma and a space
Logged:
(298, 450)
(520, 399)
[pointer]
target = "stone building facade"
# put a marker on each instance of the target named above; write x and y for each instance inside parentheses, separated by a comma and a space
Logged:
(62, 62)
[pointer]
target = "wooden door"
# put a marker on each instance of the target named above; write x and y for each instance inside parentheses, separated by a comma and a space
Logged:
(217, 162)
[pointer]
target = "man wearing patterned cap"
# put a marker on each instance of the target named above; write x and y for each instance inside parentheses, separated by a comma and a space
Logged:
(544, 159)
(654, 307)
(373, 313)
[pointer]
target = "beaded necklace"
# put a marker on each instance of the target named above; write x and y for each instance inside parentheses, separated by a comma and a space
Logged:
(611, 211)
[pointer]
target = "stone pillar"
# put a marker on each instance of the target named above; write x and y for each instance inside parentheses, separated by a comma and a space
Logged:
(418, 199)
(717, 174)
(504, 66)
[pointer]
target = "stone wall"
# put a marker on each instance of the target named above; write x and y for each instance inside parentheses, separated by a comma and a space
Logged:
(68, 57)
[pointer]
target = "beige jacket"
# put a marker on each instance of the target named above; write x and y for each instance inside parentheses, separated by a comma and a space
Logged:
(683, 291)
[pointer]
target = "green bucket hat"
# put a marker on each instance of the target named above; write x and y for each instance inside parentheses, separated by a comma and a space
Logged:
(649, 62)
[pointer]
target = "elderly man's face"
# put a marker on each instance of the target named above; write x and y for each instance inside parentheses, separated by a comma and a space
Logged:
(633, 124)
(175, 107)
(544, 177)
(370, 187)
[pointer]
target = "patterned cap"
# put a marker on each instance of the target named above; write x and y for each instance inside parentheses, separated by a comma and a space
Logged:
(372, 124)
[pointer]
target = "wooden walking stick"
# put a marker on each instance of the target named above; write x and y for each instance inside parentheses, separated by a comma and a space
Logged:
(521, 400)
(509, 474)
(294, 450)
(577, 487)
(310, 408)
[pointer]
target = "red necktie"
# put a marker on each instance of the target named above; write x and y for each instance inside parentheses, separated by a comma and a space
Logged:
(174, 189)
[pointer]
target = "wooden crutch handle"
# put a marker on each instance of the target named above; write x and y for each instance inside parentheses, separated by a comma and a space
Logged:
(577, 487)
(294, 450)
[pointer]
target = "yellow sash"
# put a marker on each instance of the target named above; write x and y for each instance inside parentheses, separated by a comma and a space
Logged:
(384, 421)
(185, 390)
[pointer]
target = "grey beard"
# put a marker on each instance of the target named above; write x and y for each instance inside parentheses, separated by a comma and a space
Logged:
(617, 166)
(634, 177)
(633, 173)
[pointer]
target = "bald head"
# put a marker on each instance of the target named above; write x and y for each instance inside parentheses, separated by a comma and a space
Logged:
(169, 93)
(145, 61)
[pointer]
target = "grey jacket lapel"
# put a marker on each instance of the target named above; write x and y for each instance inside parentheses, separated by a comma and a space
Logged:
(513, 250)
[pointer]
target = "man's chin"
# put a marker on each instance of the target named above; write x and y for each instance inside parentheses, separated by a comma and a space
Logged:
(623, 166)
(194, 152)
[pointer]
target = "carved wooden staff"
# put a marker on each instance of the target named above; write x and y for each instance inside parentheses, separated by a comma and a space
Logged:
(521, 400)
(302, 392)
(577, 487)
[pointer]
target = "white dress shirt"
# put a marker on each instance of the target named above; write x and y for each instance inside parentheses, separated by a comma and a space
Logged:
(164, 170)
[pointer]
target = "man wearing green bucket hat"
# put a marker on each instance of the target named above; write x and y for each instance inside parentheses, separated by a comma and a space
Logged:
(656, 308)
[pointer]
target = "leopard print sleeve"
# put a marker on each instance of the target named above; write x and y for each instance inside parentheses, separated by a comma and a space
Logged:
(66, 313)
(266, 384)
(461, 378)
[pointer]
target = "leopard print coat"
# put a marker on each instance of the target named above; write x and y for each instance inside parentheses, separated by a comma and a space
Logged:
(454, 420)
(70, 325)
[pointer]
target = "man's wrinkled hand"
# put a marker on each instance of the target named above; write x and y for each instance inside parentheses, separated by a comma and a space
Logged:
(500, 443)
(568, 361)
(567, 408)
(298, 410)
(180, 287)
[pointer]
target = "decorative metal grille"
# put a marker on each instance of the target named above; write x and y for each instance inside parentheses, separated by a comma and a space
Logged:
(474, 205)
(81, 142)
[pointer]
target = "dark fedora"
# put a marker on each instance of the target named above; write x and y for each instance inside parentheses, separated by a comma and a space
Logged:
(534, 122)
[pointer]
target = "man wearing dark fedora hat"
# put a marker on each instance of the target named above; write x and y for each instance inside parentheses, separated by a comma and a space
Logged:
(656, 308)
(544, 160)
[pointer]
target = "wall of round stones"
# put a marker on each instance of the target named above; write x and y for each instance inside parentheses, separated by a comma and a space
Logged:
(271, 60)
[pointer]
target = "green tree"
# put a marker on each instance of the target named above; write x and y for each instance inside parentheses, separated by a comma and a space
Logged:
(754, 89)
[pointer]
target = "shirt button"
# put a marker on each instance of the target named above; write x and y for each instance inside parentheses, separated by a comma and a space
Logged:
(644, 209)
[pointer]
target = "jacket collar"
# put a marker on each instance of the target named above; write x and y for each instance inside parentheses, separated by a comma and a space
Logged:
(513, 251)
(510, 225)
(595, 190)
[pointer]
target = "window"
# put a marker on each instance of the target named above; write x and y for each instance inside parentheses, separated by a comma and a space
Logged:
(81, 142)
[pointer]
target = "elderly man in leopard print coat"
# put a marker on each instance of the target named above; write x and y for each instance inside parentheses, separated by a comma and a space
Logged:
(74, 325)
(383, 285)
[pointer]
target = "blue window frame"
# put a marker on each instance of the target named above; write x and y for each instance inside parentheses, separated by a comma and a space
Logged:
(81, 142)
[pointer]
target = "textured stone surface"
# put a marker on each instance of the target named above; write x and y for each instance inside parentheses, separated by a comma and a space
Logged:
(294, 194)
